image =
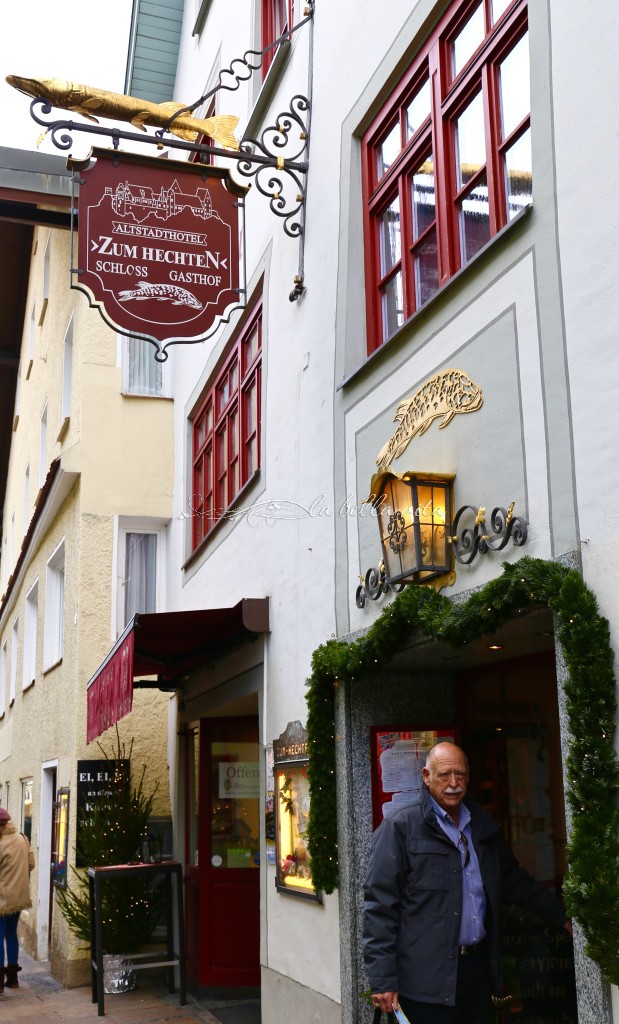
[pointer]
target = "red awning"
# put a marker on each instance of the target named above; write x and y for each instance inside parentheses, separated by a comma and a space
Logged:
(168, 645)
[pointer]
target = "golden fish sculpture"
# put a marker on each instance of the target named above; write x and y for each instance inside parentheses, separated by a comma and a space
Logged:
(88, 101)
(447, 394)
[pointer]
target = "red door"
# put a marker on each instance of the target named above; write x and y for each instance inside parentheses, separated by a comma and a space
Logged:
(227, 875)
(192, 860)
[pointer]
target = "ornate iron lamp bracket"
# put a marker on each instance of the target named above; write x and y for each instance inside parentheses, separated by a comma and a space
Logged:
(277, 160)
(471, 541)
(374, 584)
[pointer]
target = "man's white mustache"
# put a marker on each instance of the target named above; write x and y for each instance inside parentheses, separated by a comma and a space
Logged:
(453, 792)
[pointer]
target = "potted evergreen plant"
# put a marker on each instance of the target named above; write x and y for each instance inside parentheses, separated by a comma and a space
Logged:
(113, 834)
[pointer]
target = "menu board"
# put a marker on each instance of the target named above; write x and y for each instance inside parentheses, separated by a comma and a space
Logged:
(398, 757)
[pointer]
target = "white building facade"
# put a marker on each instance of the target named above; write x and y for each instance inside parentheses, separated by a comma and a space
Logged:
(430, 334)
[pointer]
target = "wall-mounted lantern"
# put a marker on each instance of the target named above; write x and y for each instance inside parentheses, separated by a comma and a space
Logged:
(413, 512)
(414, 516)
(420, 536)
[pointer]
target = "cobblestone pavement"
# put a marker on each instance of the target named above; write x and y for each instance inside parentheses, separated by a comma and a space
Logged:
(41, 1000)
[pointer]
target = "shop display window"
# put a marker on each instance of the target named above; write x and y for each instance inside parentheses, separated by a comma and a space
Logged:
(26, 808)
(60, 850)
(294, 872)
(292, 812)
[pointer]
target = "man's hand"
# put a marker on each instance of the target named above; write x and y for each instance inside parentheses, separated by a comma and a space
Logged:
(385, 1001)
(568, 926)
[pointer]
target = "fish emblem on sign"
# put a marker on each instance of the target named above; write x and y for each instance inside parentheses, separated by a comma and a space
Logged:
(158, 244)
(449, 393)
(163, 293)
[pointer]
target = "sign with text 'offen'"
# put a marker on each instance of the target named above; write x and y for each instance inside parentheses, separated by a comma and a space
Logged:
(158, 248)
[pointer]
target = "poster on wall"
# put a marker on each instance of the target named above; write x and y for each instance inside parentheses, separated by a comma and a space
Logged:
(398, 757)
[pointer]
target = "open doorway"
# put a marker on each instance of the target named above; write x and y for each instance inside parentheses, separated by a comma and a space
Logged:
(510, 719)
(46, 897)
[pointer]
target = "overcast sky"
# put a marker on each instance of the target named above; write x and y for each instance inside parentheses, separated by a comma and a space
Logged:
(71, 39)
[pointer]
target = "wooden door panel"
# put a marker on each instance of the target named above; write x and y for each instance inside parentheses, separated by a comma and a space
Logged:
(234, 940)
(229, 835)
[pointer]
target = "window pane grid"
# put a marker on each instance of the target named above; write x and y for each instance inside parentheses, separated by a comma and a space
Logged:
(226, 446)
(481, 178)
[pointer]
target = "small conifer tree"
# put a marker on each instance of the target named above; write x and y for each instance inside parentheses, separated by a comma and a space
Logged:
(112, 834)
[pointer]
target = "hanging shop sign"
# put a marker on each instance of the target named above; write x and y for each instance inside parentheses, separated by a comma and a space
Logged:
(158, 248)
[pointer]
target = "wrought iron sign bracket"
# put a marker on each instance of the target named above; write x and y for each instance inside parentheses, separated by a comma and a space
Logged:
(479, 539)
(277, 161)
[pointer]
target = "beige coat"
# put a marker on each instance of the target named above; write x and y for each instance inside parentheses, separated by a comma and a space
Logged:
(16, 863)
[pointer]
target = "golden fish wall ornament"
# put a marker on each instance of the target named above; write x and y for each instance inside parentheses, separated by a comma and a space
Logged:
(88, 101)
(447, 394)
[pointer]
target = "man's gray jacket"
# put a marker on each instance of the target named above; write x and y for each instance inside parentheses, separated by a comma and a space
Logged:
(413, 901)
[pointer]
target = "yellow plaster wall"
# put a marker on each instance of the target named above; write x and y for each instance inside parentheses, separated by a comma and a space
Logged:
(121, 449)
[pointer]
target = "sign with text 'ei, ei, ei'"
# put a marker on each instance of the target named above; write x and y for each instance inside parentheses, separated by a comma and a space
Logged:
(158, 248)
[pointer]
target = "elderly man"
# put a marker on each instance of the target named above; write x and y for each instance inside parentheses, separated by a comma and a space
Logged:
(438, 872)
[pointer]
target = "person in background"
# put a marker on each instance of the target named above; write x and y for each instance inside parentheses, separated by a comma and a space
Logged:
(437, 875)
(16, 863)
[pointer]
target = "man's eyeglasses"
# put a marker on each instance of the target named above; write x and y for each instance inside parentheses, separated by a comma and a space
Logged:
(465, 846)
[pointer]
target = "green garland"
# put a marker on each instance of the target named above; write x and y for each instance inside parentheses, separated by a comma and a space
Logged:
(591, 889)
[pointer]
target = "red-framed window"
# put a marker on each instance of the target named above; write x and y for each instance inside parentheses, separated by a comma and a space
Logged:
(226, 429)
(447, 161)
(276, 19)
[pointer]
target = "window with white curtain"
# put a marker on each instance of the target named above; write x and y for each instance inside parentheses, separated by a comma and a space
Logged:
(141, 373)
(140, 582)
(30, 635)
(53, 641)
(140, 561)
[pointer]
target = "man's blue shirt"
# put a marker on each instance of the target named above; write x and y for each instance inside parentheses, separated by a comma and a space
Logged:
(472, 928)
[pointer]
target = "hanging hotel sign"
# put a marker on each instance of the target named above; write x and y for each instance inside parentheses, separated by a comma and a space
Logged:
(158, 249)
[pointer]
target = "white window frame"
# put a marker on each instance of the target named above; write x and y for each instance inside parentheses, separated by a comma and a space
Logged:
(53, 633)
(3, 676)
(122, 360)
(43, 446)
(123, 526)
(14, 651)
(31, 625)
(67, 379)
